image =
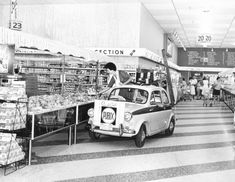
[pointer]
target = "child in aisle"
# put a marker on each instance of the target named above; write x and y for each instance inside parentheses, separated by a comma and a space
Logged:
(206, 92)
(187, 93)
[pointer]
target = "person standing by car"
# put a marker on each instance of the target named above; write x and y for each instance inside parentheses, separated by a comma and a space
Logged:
(116, 77)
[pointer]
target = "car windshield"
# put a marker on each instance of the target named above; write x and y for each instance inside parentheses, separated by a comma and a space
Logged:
(134, 95)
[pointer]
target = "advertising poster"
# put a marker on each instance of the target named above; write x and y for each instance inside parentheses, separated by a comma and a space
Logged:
(7, 53)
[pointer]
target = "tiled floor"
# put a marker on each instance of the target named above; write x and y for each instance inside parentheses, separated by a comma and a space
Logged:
(201, 149)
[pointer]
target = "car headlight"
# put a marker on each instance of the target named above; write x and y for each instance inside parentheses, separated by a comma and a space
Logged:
(90, 112)
(127, 116)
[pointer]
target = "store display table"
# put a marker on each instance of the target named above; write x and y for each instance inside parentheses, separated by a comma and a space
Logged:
(80, 117)
(229, 98)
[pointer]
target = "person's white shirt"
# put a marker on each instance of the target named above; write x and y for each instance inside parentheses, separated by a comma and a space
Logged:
(194, 81)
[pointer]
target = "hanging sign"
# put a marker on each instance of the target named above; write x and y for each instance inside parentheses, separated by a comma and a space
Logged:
(204, 38)
(14, 24)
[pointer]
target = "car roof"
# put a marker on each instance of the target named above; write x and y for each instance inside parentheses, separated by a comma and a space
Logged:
(144, 87)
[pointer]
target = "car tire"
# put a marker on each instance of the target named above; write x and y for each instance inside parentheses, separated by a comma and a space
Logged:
(140, 137)
(94, 136)
(170, 130)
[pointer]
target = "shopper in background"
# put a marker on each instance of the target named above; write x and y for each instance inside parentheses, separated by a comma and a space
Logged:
(194, 83)
(183, 86)
(216, 89)
(192, 87)
(115, 77)
(206, 92)
(199, 89)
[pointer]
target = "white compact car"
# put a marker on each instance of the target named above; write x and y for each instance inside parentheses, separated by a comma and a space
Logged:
(132, 111)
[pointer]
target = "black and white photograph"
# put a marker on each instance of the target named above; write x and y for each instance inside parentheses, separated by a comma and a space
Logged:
(117, 90)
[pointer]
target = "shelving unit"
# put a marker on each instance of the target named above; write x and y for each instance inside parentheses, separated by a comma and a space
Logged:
(58, 74)
(13, 111)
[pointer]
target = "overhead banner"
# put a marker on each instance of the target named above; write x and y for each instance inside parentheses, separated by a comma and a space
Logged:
(130, 52)
(6, 58)
(14, 23)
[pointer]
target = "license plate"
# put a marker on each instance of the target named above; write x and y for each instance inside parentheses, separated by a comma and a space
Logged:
(106, 127)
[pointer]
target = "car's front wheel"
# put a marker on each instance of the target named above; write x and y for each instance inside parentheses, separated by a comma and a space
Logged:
(169, 131)
(140, 137)
(94, 136)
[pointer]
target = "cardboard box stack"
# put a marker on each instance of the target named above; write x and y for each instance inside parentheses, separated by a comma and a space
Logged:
(12, 116)
(10, 151)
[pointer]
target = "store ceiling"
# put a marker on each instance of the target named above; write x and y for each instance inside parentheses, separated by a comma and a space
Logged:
(185, 20)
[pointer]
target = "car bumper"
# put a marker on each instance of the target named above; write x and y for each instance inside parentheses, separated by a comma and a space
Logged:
(122, 132)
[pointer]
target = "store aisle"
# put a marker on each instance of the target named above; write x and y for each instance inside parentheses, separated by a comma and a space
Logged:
(201, 149)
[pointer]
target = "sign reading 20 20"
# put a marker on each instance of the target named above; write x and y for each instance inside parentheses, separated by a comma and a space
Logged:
(204, 38)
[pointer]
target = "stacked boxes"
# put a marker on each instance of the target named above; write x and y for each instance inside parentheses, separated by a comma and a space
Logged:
(10, 151)
(12, 116)
(12, 93)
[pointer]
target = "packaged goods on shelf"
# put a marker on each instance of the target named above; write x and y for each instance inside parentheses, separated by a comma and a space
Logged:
(39, 103)
(6, 137)
(11, 156)
(10, 151)
(57, 69)
(12, 116)
(12, 93)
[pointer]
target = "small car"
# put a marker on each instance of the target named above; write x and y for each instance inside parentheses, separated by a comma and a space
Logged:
(132, 111)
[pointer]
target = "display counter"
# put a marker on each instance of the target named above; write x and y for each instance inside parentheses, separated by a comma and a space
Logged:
(45, 122)
(229, 98)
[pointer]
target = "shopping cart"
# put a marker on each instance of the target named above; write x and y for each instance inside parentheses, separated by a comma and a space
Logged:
(207, 97)
(186, 94)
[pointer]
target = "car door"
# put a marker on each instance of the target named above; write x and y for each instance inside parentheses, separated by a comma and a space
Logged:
(156, 112)
(167, 108)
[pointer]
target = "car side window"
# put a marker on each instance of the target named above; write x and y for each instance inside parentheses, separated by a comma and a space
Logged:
(155, 97)
(165, 99)
(141, 97)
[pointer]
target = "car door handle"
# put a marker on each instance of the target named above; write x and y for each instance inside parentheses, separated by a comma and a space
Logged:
(150, 110)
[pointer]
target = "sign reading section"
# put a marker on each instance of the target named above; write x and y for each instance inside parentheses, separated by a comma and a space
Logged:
(205, 57)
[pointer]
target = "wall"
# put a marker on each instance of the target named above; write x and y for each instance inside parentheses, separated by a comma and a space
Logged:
(146, 64)
(84, 25)
(175, 54)
(126, 63)
(125, 25)
(151, 34)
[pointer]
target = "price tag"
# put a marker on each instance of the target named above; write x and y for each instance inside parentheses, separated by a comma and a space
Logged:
(16, 25)
(204, 38)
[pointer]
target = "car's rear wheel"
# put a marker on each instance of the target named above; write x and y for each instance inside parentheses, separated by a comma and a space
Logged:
(140, 137)
(94, 136)
(169, 131)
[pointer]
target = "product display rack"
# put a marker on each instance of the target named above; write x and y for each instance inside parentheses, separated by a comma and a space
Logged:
(79, 117)
(57, 74)
(12, 152)
(229, 98)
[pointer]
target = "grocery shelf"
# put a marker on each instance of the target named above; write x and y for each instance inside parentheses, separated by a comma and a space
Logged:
(40, 73)
(42, 67)
(74, 68)
(43, 111)
(62, 69)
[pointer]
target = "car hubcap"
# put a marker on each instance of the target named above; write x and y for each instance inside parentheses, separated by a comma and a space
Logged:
(171, 126)
(143, 136)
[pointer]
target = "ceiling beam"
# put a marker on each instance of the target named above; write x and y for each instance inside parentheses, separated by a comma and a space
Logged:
(230, 25)
(180, 21)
